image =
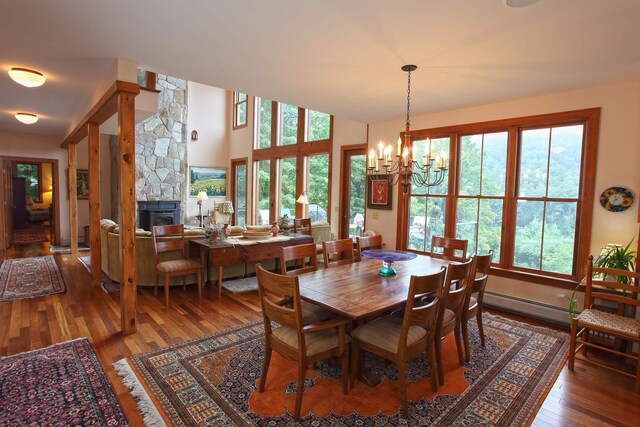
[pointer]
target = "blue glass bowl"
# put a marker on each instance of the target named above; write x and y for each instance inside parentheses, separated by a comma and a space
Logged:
(388, 257)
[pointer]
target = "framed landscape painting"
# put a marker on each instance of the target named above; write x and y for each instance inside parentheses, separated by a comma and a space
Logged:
(379, 194)
(211, 180)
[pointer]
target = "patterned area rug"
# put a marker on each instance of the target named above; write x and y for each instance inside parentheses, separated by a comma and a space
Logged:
(237, 286)
(22, 278)
(108, 285)
(212, 381)
(59, 385)
(29, 235)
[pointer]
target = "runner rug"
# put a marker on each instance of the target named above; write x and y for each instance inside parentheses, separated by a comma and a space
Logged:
(60, 385)
(212, 380)
(22, 278)
(108, 285)
(29, 235)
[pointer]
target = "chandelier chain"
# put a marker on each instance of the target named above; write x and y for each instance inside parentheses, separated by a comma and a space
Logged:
(408, 97)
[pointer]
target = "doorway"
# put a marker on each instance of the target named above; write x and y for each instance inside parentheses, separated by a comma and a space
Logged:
(353, 175)
(30, 213)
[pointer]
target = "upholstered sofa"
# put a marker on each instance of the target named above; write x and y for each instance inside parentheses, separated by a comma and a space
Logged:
(145, 259)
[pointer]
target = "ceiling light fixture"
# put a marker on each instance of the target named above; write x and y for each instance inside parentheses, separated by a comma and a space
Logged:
(520, 3)
(407, 170)
(27, 118)
(26, 77)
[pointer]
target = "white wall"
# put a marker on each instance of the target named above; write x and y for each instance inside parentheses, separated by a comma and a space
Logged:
(618, 156)
(208, 112)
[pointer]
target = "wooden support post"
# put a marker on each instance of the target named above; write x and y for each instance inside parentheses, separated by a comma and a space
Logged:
(73, 199)
(93, 132)
(126, 211)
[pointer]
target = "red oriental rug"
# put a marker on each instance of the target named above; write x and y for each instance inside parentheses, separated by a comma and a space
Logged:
(29, 235)
(60, 385)
(22, 278)
(213, 380)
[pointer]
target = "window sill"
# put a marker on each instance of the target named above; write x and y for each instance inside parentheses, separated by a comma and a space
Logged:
(534, 278)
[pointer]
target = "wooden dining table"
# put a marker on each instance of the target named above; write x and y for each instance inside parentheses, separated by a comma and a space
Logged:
(357, 290)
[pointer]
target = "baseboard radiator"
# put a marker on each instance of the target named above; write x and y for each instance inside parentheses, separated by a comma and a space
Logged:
(534, 309)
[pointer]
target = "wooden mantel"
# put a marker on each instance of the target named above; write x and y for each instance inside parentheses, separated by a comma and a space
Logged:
(119, 99)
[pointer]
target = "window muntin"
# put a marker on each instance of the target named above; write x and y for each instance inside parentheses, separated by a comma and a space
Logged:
(523, 187)
(32, 172)
(239, 110)
(438, 147)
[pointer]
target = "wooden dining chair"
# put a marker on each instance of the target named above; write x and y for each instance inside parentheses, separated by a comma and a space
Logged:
(364, 243)
(473, 305)
(449, 246)
(343, 249)
(402, 339)
(303, 226)
(303, 344)
(306, 257)
(177, 267)
(450, 314)
(619, 322)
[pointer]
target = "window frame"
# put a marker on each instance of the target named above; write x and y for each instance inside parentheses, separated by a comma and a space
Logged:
(300, 150)
(504, 267)
(236, 108)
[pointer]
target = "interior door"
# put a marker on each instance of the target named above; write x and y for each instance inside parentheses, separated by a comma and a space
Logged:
(7, 209)
(352, 190)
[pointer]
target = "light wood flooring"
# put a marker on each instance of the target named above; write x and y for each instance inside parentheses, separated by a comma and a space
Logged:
(587, 397)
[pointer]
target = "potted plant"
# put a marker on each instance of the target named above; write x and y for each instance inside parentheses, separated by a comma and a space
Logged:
(618, 257)
(284, 222)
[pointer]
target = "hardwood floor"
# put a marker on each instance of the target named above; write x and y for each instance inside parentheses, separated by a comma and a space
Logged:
(586, 397)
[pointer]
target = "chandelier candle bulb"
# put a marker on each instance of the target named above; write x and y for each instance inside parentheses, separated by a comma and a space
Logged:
(399, 152)
(377, 165)
(380, 147)
(372, 156)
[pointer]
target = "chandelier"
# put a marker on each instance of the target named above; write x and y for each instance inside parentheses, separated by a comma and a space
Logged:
(404, 167)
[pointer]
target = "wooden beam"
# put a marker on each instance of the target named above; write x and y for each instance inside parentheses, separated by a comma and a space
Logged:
(93, 131)
(73, 199)
(106, 107)
(126, 211)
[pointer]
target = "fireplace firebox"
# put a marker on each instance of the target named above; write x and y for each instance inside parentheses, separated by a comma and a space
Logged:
(158, 212)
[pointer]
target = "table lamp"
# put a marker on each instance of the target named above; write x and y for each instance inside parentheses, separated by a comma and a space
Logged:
(202, 196)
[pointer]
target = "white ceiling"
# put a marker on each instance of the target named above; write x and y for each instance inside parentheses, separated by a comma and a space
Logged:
(337, 56)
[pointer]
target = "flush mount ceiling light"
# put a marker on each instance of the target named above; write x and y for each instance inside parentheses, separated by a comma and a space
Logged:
(26, 77)
(520, 3)
(27, 118)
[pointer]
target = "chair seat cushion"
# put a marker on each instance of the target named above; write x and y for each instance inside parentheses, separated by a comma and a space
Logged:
(316, 342)
(385, 332)
(177, 265)
(472, 303)
(609, 322)
(312, 313)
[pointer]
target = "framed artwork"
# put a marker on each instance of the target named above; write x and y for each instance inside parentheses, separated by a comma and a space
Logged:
(82, 184)
(379, 192)
(211, 180)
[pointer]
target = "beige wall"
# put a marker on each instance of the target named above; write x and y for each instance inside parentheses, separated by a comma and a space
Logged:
(618, 156)
(208, 112)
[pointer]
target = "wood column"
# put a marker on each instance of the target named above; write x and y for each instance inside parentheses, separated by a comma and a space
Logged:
(93, 132)
(126, 211)
(73, 199)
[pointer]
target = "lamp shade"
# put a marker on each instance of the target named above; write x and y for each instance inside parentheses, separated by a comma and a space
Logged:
(202, 196)
(303, 199)
(27, 118)
(26, 77)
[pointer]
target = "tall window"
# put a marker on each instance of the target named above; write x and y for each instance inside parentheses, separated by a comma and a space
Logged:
(239, 190)
(32, 172)
(522, 187)
(281, 131)
(239, 110)
(264, 191)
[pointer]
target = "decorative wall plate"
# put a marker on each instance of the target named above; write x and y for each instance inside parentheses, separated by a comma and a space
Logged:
(616, 199)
